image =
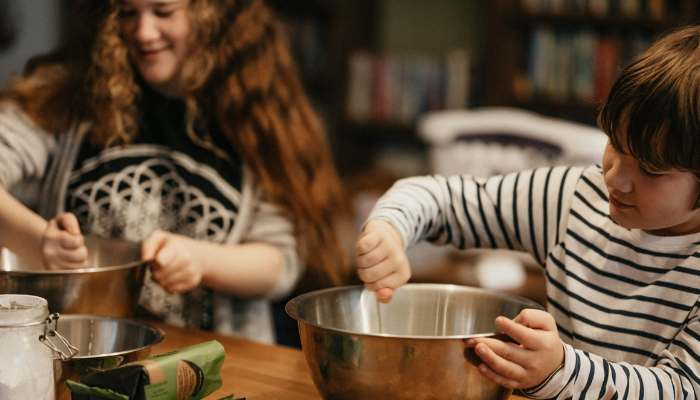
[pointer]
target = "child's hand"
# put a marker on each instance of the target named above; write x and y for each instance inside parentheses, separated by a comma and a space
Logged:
(62, 245)
(381, 259)
(174, 265)
(525, 365)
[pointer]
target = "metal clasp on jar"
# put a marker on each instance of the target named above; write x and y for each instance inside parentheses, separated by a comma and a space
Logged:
(52, 332)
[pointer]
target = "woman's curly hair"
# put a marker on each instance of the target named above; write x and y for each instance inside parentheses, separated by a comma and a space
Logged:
(240, 75)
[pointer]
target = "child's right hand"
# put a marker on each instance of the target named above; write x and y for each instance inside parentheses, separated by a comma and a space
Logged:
(381, 259)
(62, 245)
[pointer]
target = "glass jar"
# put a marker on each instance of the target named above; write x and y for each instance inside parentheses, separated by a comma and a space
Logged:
(26, 351)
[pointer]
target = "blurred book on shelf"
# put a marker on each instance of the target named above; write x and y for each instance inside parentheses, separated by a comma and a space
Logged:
(396, 89)
(652, 9)
(577, 65)
(561, 57)
(306, 43)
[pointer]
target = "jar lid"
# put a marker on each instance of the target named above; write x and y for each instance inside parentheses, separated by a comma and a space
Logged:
(22, 310)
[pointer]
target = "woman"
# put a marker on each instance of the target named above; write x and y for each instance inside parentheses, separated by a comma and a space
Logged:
(181, 124)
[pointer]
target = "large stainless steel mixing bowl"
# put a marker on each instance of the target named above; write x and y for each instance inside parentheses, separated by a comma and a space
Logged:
(102, 343)
(110, 286)
(411, 348)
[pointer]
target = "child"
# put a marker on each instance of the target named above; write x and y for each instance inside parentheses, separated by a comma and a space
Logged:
(618, 243)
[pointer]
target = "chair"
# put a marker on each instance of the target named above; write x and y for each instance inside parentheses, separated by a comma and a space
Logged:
(466, 141)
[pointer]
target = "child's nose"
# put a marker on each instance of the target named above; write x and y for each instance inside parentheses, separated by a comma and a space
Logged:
(617, 177)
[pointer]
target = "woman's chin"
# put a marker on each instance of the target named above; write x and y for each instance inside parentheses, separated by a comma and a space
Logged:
(165, 87)
(157, 78)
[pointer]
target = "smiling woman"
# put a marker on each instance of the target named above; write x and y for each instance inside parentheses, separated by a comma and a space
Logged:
(181, 124)
(156, 34)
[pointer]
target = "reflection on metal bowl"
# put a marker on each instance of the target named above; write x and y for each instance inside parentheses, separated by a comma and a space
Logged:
(110, 286)
(102, 343)
(411, 348)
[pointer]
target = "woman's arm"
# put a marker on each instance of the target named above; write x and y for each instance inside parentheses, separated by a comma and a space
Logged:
(229, 269)
(53, 244)
(21, 229)
(24, 155)
(264, 264)
(180, 264)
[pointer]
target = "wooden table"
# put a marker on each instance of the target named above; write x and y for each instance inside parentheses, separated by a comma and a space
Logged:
(252, 370)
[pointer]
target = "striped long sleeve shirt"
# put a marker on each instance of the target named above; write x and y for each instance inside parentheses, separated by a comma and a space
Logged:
(625, 301)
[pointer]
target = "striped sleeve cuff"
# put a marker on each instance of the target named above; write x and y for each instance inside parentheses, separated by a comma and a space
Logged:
(553, 386)
(398, 223)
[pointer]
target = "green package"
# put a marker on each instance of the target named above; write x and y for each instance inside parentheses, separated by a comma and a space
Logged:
(189, 373)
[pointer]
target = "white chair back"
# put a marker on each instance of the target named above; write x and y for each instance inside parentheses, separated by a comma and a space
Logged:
(490, 141)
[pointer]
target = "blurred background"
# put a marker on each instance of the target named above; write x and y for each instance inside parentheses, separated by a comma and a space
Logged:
(522, 80)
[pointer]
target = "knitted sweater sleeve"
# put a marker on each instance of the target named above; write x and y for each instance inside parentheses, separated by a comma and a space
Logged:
(271, 225)
(24, 147)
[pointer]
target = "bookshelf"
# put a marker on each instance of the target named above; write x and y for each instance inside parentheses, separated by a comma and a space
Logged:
(419, 59)
(560, 57)
(323, 35)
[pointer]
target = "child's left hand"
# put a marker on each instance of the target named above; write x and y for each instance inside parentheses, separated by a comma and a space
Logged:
(524, 365)
(174, 266)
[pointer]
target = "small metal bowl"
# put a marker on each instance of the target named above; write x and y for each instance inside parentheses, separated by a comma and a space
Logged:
(411, 348)
(102, 343)
(110, 286)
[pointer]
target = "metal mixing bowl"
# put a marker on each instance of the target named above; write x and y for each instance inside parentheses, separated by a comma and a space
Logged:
(102, 343)
(110, 286)
(411, 348)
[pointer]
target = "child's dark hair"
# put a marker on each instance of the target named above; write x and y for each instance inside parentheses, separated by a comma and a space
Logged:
(653, 109)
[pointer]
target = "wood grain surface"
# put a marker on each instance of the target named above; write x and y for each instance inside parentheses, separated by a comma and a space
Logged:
(252, 370)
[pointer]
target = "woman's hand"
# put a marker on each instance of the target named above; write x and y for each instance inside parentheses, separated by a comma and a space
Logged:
(525, 365)
(381, 259)
(174, 261)
(62, 244)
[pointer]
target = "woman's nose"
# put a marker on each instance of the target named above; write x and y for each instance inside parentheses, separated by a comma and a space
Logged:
(617, 177)
(146, 29)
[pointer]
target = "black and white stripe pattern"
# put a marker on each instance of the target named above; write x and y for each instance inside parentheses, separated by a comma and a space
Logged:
(625, 302)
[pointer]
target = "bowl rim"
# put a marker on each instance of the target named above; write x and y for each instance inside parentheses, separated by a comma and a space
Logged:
(129, 265)
(100, 241)
(160, 334)
(292, 309)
